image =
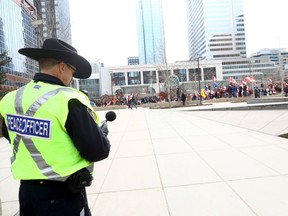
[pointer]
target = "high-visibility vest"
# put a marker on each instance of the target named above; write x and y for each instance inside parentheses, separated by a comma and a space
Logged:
(35, 116)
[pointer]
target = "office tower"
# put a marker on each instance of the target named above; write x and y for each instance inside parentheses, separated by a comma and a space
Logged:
(16, 31)
(54, 17)
(150, 26)
(26, 23)
(216, 29)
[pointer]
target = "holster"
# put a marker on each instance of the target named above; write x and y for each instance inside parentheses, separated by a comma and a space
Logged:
(79, 180)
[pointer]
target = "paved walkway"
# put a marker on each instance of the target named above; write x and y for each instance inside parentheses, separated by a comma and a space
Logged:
(178, 162)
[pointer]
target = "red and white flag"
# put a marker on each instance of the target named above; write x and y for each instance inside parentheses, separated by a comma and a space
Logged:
(231, 80)
(253, 79)
(269, 79)
(250, 79)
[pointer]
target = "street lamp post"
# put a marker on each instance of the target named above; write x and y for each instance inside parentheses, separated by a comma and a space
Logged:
(111, 82)
(282, 82)
(195, 80)
(200, 96)
(284, 75)
(194, 71)
(280, 72)
(252, 61)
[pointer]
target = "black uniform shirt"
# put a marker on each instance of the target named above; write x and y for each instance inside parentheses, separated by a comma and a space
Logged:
(88, 138)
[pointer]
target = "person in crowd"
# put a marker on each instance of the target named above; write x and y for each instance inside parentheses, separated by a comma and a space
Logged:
(54, 133)
(183, 98)
(235, 91)
(256, 92)
(240, 89)
(230, 90)
(245, 90)
(129, 99)
(133, 102)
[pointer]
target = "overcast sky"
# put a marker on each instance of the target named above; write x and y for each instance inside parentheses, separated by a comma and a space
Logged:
(105, 30)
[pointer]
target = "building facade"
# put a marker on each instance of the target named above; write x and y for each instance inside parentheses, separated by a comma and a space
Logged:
(133, 60)
(186, 75)
(26, 23)
(216, 29)
(53, 20)
(16, 31)
(92, 84)
(278, 56)
(150, 27)
(152, 79)
(259, 67)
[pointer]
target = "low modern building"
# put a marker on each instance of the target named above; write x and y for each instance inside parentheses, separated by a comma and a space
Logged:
(93, 84)
(278, 56)
(186, 75)
(259, 67)
(153, 79)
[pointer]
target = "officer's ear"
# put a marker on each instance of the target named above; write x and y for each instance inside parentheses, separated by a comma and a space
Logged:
(61, 66)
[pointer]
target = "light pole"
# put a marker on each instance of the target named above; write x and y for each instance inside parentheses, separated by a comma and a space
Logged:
(111, 82)
(281, 73)
(252, 61)
(282, 82)
(194, 71)
(284, 72)
(198, 68)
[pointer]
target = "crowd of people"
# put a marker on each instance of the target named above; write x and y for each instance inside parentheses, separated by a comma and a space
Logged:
(234, 90)
(231, 90)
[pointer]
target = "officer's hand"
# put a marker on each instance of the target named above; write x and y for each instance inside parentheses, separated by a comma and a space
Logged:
(104, 128)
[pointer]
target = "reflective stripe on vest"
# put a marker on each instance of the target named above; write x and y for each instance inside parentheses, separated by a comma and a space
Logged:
(45, 169)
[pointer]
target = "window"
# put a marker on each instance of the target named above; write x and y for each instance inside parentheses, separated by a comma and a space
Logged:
(181, 74)
(134, 78)
(118, 79)
(149, 77)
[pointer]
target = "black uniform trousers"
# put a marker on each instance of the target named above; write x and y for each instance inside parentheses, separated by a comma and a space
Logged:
(50, 198)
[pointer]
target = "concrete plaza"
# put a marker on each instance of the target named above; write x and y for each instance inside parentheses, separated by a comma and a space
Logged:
(180, 162)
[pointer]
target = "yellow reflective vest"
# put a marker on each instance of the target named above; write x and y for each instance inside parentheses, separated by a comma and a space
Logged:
(35, 116)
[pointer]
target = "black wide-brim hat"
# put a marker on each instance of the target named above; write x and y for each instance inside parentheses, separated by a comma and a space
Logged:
(59, 50)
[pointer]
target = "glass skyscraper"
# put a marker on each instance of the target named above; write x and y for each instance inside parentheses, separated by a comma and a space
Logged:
(150, 26)
(26, 23)
(17, 32)
(216, 29)
(55, 15)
